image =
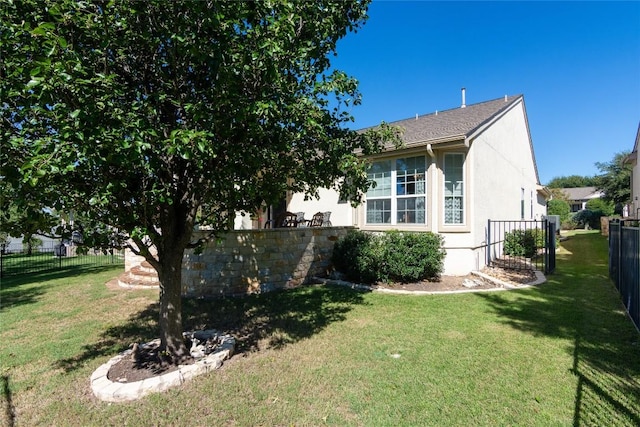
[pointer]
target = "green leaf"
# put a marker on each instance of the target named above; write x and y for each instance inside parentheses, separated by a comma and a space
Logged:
(34, 82)
(74, 114)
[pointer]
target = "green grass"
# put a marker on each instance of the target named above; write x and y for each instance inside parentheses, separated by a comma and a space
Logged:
(564, 354)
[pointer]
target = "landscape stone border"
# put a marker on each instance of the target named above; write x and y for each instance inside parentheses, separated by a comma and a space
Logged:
(500, 285)
(112, 391)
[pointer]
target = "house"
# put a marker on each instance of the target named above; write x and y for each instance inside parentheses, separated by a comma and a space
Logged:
(634, 208)
(456, 170)
(579, 196)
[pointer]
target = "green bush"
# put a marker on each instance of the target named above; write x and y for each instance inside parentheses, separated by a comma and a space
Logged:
(559, 207)
(523, 242)
(409, 257)
(389, 256)
(600, 205)
(355, 256)
(587, 218)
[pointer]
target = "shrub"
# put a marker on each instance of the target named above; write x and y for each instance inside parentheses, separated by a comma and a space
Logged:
(559, 207)
(607, 208)
(389, 256)
(355, 256)
(408, 257)
(523, 242)
(588, 219)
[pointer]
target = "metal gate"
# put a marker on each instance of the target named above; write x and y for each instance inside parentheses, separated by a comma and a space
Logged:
(522, 245)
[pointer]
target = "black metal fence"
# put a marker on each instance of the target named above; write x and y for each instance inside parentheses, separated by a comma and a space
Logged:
(55, 256)
(624, 264)
(522, 245)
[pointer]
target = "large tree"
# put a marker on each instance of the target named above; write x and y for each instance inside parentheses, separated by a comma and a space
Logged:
(155, 116)
(615, 180)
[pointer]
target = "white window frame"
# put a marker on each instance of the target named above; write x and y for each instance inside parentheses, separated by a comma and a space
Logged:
(393, 195)
(463, 197)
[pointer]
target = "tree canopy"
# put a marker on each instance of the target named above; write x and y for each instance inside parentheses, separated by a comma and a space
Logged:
(152, 117)
(572, 181)
(615, 180)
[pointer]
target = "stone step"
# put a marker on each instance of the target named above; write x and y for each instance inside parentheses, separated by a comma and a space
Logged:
(139, 277)
(146, 267)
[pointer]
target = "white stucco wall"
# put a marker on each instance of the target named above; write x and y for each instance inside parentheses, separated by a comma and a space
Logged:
(503, 174)
(342, 214)
(635, 190)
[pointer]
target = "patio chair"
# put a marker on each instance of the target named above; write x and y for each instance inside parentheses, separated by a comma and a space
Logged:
(300, 219)
(283, 220)
(317, 220)
(326, 222)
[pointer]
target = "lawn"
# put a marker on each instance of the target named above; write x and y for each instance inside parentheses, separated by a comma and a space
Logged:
(564, 353)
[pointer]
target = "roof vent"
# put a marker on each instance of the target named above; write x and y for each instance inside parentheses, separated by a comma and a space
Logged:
(464, 90)
(416, 116)
(505, 98)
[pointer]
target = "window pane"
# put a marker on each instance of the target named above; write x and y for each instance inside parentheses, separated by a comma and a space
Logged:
(454, 188)
(379, 211)
(410, 176)
(411, 210)
(380, 173)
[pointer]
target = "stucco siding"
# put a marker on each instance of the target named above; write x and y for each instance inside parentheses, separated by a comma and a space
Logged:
(503, 175)
(341, 212)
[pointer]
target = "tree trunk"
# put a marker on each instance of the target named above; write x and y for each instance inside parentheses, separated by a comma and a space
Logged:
(171, 339)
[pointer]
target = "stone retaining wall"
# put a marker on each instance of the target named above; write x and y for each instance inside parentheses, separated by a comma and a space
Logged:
(253, 261)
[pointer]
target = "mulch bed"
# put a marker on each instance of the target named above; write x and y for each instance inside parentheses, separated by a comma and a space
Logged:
(456, 283)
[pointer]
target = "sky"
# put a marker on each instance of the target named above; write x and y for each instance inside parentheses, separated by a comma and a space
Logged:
(576, 63)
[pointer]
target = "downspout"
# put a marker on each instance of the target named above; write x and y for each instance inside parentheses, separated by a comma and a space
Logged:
(434, 190)
(430, 151)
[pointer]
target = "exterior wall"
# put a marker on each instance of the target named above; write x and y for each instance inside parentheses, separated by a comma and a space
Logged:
(500, 173)
(503, 175)
(635, 190)
(329, 200)
(255, 261)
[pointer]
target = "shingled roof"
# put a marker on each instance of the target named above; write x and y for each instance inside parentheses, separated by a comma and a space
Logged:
(455, 124)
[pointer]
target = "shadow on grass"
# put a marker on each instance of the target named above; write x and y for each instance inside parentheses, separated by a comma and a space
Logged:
(274, 319)
(257, 322)
(579, 303)
(141, 327)
(8, 415)
(27, 288)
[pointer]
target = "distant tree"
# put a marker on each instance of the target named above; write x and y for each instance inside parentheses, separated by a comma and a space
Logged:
(572, 181)
(5, 239)
(615, 180)
(22, 213)
(153, 117)
(600, 205)
(558, 194)
(559, 207)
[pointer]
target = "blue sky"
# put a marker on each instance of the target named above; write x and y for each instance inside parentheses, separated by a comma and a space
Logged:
(576, 63)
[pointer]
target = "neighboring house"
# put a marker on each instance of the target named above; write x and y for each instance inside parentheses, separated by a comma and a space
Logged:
(457, 169)
(634, 208)
(579, 196)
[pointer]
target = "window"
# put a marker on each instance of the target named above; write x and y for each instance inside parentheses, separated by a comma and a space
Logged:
(399, 194)
(453, 188)
(522, 203)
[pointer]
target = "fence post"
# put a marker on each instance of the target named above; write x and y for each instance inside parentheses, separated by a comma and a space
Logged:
(488, 243)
